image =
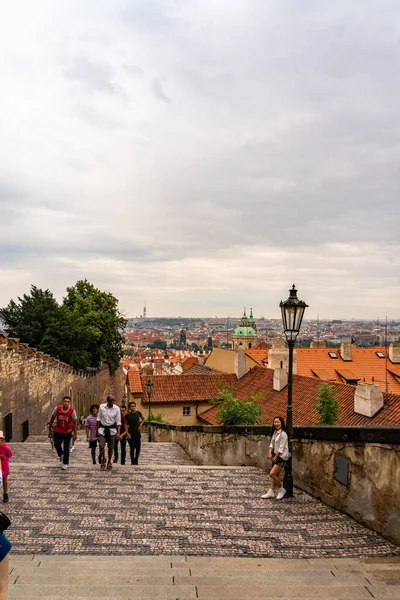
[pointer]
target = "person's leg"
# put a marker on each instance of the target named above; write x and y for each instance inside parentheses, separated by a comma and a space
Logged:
(102, 443)
(116, 451)
(123, 450)
(67, 440)
(275, 480)
(58, 439)
(4, 570)
(138, 442)
(5, 488)
(111, 445)
(131, 443)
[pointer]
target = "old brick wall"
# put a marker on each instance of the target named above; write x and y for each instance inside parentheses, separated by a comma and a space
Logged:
(32, 383)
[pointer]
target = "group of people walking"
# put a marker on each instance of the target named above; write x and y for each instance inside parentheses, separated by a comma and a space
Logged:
(108, 427)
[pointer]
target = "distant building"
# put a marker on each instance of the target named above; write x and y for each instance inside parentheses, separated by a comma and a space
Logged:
(246, 334)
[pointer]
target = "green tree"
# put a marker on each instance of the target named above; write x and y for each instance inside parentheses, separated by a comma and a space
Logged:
(31, 316)
(233, 411)
(327, 405)
(96, 314)
(159, 344)
(159, 417)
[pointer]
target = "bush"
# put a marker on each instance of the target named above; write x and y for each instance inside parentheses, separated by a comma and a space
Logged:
(159, 417)
(233, 411)
(327, 405)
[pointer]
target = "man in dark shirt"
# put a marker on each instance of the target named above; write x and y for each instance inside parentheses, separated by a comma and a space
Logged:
(133, 427)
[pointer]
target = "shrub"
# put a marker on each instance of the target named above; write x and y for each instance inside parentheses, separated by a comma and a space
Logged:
(233, 411)
(327, 405)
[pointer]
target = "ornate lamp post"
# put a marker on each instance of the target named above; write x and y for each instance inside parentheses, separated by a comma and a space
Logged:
(149, 388)
(292, 316)
(123, 400)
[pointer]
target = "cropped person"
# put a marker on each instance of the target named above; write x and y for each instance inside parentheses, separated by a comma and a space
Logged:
(279, 455)
(5, 455)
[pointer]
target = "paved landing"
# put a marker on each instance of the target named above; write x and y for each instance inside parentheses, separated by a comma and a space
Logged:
(187, 577)
(168, 506)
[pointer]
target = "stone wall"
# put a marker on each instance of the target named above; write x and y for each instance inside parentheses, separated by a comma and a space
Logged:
(371, 493)
(32, 383)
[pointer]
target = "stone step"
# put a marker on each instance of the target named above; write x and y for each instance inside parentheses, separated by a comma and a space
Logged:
(184, 592)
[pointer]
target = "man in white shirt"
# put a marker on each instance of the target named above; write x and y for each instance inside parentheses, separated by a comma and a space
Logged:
(108, 429)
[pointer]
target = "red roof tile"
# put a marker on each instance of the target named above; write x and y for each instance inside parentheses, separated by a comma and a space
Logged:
(305, 391)
(190, 388)
(134, 381)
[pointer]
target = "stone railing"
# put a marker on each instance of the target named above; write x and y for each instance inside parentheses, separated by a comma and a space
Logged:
(354, 469)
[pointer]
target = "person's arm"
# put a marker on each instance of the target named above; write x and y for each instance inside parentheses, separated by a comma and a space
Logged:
(128, 435)
(87, 433)
(270, 451)
(141, 423)
(53, 416)
(98, 421)
(8, 451)
(118, 424)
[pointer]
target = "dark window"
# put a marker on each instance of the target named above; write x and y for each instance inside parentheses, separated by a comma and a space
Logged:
(8, 432)
(25, 430)
(186, 411)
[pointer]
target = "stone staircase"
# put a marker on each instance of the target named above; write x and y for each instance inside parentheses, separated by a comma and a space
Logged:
(170, 529)
(181, 578)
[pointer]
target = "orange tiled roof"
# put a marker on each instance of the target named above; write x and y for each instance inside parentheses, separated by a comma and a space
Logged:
(365, 365)
(134, 381)
(189, 362)
(191, 388)
(305, 391)
(201, 370)
(259, 355)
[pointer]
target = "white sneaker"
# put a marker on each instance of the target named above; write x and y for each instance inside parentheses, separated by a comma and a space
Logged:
(72, 449)
(64, 467)
(269, 494)
(281, 493)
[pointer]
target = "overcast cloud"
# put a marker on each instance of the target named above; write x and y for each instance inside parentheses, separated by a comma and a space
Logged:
(203, 155)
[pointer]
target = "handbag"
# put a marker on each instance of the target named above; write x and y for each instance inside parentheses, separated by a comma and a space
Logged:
(4, 522)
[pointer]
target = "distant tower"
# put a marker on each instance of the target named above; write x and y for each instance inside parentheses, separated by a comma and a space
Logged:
(246, 334)
(144, 310)
(182, 340)
(209, 343)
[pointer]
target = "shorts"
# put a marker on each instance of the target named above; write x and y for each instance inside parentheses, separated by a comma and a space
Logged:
(280, 462)
(93, 444)
(5, 546)
(103, 441)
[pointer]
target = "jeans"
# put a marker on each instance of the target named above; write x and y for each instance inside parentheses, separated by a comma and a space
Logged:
(134, 446)
(59, 440)
(123, 450)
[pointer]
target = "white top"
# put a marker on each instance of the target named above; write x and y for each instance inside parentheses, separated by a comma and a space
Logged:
(109, 416)
(280, 443)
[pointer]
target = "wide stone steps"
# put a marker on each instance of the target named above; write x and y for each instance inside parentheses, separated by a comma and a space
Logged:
(181, 578)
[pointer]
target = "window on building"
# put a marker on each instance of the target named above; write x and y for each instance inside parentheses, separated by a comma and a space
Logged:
(380, 354)
(332, 354)
(186, 411)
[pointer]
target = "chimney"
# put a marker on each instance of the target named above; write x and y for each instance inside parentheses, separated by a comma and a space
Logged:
(278, 356)
(280, 379)
(394, 352)
(240, 362)
(368, 399)
(201, 358)
(345, 351)
(318, 344)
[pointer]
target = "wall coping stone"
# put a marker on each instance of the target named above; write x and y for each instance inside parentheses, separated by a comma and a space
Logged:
(331, 433)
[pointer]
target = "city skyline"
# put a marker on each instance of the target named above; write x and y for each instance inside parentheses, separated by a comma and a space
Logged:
(205, 156)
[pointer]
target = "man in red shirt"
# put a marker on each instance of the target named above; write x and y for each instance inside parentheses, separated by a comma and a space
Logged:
(66, 422)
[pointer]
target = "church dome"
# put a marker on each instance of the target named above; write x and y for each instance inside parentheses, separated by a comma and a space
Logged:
(245, 331)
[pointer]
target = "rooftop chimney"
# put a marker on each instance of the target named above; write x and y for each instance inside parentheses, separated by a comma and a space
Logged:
(394, 352)
(240, 361)
(368, 399)
(318, 344)
(345, 351)
(280, 379)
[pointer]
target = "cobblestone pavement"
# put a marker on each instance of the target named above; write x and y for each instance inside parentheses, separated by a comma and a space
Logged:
(168, 506)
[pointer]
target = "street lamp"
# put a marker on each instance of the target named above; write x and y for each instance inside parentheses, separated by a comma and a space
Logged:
(123, 400)
(292, 315)
(149, 388)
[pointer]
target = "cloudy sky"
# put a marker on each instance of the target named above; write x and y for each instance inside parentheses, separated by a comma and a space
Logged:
(203, 154)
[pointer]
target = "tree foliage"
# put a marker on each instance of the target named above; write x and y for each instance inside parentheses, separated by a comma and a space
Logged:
(83, 331)
(158, 417)
(327, 405)
(232, 411)
(158, 344)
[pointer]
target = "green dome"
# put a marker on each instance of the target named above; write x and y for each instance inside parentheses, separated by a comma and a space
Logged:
(245, 331)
